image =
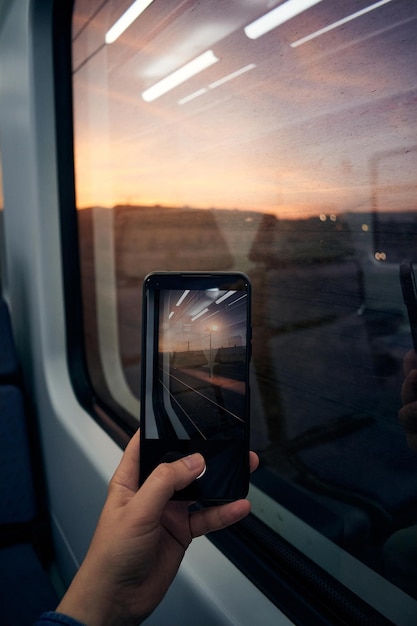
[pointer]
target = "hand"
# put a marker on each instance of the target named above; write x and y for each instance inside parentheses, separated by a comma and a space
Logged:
(140, 541)
(408, 414)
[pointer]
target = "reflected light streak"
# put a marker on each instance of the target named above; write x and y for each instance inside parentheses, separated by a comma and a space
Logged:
(345, 20)
(211, 315)
(225, 296)
(181, 75)
(193, 95)
(231, 76)
(199, 315)
(126, 19)
(237, 300)
(217, 83)
(182, 298)
(281, 14)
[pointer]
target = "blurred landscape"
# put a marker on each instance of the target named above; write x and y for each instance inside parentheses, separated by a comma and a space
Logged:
(308, 286)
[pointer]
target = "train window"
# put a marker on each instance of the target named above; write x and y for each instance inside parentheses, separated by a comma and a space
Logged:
(278, 139)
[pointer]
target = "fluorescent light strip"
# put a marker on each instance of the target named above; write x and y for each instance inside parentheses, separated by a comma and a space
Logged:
(182, 298)
(225, 296)
(126, 19)
(277, 16)
(211, 315)
(237, 299)
(193, 95)
(199, 315)
(231, 76)
(217, 83)
(178, 77)
(170, 315)
(349, 18)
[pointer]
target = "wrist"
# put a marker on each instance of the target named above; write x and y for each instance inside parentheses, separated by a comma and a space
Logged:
(87, 601)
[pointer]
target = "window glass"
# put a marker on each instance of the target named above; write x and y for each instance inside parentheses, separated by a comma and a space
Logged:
(208, 136)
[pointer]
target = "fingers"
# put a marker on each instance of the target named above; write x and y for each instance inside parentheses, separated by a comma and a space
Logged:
(408, 420)
(409, 361)
(409, 387)
(408, 417)
(127, 473)
(168, 478)
(253, 461)
(218, 517)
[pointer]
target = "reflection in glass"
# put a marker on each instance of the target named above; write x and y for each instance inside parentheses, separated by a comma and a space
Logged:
(300, 172)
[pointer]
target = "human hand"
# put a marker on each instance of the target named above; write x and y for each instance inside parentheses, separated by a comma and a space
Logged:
(408, 413)
(140, 540)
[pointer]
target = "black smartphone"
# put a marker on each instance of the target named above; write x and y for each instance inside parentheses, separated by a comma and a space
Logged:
(409, 291)
(196, 346)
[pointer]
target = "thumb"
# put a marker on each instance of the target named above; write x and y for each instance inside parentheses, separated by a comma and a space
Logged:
(166, 479)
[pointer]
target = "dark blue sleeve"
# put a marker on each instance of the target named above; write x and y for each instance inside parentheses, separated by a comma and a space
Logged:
(51, 618)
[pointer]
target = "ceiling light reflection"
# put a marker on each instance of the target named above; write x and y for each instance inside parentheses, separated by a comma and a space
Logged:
(199, 315)
(277, 16)
(237, 300)
(126, 19)
(217, 83)
(231, 76)
(193, 95)
(349, 18)
(225, 296)
(182, 297)
(178, 77)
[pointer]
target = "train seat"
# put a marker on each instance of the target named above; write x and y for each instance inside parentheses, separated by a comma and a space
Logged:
(17, 495)
(8, 358)
(25, 589)
(25, 545)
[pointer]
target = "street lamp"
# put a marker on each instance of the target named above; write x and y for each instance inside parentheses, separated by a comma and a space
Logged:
(211, 329)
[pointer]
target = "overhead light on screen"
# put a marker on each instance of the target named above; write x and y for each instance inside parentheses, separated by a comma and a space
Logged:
(182, 297)
(126, 20)
(277, 16)
(199, 315)
(225, 296)
(178, 77)
(344, 20)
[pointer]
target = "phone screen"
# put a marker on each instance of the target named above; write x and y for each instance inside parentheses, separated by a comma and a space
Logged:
(195, 390)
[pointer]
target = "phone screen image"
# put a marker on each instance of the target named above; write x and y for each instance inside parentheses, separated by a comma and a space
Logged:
(195, 390)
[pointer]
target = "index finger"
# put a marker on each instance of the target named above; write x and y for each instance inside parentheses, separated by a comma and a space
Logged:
(409, 387)
(409, 361)
(127, 472)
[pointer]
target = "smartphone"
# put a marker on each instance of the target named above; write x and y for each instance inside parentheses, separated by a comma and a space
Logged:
(196, 346)
(409, 291)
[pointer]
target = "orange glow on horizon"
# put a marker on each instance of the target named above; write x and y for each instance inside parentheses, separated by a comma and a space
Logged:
(318, 132)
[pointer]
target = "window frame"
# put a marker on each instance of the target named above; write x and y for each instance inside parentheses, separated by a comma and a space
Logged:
(120, 428)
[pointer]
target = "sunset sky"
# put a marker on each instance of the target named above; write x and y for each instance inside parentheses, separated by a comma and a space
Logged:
(329, 125)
